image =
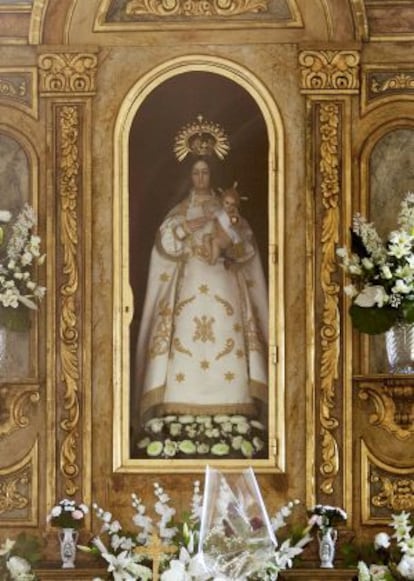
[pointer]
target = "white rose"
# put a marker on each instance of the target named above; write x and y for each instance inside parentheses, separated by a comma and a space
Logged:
(371, 296)
(18, 567)
(56, 511)
(382, 541)
(406, 567)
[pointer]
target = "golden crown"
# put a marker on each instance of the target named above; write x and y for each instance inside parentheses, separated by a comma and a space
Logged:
(201, 137)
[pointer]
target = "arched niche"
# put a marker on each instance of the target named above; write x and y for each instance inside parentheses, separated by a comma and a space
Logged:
(18, 186)
(146, 181)
(387, 175)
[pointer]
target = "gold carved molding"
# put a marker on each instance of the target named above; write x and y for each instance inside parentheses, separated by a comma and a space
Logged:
(195, 7)
(122, 15)
(393, 400)
(73, 73)
(381, 85)
(394, 82)
(328, 71)
(69, 175)
(19, 491)
(329, 117)
(15, 400)
(384, 488)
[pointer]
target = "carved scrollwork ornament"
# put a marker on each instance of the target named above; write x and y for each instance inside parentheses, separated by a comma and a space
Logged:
(68, 119)
(329, 71)
(396, 493)
(330, 186)
(395, 82)
(11, 496)
(68, 73)
(15, 402)
(165, 8)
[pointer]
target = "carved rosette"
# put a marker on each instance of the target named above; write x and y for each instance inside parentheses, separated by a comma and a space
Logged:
(15, 402)
(68, 73)
(18, 491)
(165, 8)
(329, 71)
(330, 187)
(69, 175)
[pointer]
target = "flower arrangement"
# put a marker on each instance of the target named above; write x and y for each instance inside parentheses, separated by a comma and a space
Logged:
(19, 254)
(68, 515)
(15, 567)
(395, 553)
(181, 550)
(221, 435)
(381, 273)
(324, 516)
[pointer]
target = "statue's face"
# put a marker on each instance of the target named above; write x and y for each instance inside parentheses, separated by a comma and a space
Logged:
(200, 175)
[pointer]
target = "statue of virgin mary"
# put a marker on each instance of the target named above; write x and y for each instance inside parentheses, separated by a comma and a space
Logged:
(203, 340)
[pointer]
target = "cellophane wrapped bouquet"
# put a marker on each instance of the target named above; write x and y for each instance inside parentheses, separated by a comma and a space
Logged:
(237, 538)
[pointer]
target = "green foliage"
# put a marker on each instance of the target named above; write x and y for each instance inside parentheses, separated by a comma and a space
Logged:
(374, 320)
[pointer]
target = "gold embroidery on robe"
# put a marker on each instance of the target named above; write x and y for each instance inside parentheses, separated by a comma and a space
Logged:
(227, 349)
(227, 306)
(161, 337)
(204, 329)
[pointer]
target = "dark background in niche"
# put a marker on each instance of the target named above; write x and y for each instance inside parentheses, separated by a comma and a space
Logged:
(157, 181)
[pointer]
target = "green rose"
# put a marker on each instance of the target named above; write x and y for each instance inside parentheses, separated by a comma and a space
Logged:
(187, 447)
(220, 449)
(154, 449)
(247, 449)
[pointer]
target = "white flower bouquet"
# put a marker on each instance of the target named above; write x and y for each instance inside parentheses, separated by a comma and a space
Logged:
(19, 254)
(68, 514)
(395, 553)
(185, 547)
(381, 273)
(16, 558)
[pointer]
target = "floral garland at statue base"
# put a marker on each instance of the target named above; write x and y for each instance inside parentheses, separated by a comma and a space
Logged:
(220, 435)
(395, 554)
(182, 552)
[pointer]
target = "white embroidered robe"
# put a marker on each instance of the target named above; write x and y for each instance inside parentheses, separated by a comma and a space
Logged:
(202, 345)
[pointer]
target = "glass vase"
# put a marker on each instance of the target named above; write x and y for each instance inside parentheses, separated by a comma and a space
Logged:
(399, 344)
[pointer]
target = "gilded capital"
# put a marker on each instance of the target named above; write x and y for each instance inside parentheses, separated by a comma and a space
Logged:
(329, 71)
(73, 73)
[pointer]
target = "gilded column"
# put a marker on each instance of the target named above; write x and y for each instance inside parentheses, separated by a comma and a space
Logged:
(67, 83)
(329, 78)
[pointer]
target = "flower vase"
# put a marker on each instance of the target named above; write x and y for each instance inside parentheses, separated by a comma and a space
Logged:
(327, 541)
(68, 538)
(399, 343)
